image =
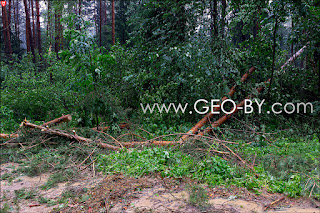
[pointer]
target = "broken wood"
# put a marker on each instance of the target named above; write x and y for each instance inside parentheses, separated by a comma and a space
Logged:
(57, 132)
(6, 136)
(293, 58)
(64, 118)
(208, 116)
(226, 117)
(274, 202)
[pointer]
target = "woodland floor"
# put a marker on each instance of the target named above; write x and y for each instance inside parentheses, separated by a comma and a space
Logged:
(94, 192)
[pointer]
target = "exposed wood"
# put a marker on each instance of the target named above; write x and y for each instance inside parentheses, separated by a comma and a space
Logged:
(6, 136)
(274, 202)
(293, 58)
(57, 132)
(226, 117)
(64, 118)
(208, 116)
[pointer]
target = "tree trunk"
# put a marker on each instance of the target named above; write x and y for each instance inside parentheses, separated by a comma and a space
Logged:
(113, 25)
(27, 25)
(292, 50)
(214, 13)
(273, 54)
(58, 28)
(79, 7)
(6, 32)
(33, 26)
(208, 116)
(9, 15)
(38, 27)
(100, 22)
(223, 14)
(49, 22)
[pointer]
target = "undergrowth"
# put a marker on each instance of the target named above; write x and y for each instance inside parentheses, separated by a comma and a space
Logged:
(212, 170)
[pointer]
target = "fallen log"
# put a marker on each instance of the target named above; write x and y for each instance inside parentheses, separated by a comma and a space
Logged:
(57, 132)
(224, 118)
(7, 136)
(64, 118)
(208, 116)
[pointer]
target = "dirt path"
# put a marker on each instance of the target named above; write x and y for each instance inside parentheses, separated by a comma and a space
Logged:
(118, 193)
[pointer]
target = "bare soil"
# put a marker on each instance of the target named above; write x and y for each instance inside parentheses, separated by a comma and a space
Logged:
(118, 193)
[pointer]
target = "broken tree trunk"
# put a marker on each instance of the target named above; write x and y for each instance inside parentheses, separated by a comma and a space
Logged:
(224, 118)
(293, 58)
(57, 132)
(208, 116)
(64, 118)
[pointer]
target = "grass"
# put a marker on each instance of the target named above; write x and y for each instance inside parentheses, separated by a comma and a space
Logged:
(214, 170)
(25, 194)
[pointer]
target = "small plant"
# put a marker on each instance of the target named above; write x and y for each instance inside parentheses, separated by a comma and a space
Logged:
(24, 194)
(5, 208)
(198, 196)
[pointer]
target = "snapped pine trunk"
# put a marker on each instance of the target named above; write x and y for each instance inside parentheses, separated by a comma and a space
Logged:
(208, 116)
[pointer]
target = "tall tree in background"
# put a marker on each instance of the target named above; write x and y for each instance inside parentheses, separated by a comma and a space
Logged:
(28, 31)
(214, 17)
(6, 31)
(33, 25)
(113, 25)
(17, 22)
(38, 26)
(100, 23)
(58, 27)
(9, 15)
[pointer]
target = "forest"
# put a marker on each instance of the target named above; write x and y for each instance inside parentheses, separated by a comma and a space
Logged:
(160, 106)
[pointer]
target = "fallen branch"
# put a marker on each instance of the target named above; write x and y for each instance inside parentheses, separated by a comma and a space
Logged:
(57, 132)
(6, 136)
(64, 118)
(274, 202)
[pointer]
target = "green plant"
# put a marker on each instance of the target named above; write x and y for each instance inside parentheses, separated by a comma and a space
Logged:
(25, 194)
(198, 196)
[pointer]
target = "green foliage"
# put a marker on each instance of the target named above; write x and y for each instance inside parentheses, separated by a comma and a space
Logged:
(198, 196)
(25, 194)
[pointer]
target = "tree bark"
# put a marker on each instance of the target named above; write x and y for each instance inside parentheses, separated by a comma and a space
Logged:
(113, 25)
(38, 27)
(58, 29)
(9, 15)
(6, 32)
(273, 55)
(33, 26)
(28, 29)
(214, 15)
(64, 118)
(49, 22)
(100, 22)
(223, 14)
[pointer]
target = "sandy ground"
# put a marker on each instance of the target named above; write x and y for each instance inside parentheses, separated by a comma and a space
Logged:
(118, 193)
